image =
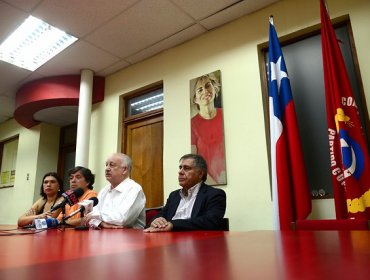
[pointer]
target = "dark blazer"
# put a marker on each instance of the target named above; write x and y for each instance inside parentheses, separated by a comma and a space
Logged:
(208, 210)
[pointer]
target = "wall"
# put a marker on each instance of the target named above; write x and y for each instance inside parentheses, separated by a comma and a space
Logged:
(48, 152)
(37, 154)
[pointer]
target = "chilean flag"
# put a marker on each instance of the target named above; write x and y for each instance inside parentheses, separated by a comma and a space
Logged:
(349, 156)
(290, 191)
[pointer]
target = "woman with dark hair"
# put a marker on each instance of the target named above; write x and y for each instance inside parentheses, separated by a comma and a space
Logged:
(83, 178)
(51, 194)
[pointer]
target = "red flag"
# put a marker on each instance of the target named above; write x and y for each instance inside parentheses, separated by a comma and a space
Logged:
(290, 189)
(349, 155)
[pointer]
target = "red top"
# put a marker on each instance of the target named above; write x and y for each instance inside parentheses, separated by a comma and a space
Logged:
(208, 137)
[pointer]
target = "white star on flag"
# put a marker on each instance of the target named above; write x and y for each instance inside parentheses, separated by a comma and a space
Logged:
(276, 73)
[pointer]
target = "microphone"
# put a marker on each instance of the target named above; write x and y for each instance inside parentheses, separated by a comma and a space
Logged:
(86, 207)
(46, 223)
(70, 197)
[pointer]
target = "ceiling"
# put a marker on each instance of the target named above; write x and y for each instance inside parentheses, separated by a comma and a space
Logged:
(113, 34)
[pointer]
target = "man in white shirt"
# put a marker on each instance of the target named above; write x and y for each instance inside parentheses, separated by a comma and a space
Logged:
(122, 202)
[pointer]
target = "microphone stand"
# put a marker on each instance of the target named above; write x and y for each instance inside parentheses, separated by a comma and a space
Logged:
(82, 227)
(63, 223)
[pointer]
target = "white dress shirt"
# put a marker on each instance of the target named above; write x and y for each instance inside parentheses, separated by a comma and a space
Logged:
(186, 203)
(122, 205)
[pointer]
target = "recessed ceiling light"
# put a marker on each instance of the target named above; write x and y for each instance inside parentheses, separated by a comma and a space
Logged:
(34, 43)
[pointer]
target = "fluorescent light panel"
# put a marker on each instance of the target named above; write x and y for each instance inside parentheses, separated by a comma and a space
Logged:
(34, 43)
(148, 104)
(151, 100)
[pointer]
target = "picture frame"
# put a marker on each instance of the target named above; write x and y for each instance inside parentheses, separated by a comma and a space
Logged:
(207, 125)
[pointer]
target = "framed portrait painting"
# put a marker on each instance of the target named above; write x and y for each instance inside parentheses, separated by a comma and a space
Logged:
(207, 125)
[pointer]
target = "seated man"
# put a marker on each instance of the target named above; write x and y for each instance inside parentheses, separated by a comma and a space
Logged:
(122, 202)
(196, 206)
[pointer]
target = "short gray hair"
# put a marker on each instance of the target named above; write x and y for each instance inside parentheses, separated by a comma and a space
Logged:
(199, 162)
(125, 160)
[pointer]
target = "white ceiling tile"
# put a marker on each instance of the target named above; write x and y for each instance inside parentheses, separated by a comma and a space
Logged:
(25, 5)
(80, 17)
(170, 42)
(7, 106)
(204, 8)
(10, 76)
(240, 9)
(81, 55)
(139, 27)
(113, 68)
(10, 19)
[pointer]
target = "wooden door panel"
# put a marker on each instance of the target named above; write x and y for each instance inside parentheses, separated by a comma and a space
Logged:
(144, 144)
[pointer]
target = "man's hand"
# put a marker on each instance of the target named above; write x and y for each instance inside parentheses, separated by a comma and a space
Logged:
(96, 224)
(108, 225)
(159, 224)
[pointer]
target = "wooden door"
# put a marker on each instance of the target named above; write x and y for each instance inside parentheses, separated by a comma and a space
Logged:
(144, 144)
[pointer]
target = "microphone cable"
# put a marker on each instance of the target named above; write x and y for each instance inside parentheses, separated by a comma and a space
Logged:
(10, 232)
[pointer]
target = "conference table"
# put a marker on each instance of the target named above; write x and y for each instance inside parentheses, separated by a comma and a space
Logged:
(132, 254)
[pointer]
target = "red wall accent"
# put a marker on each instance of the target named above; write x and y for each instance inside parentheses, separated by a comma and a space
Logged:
(51, 92)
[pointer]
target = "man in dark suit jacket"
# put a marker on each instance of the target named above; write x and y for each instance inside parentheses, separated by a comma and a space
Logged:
(196, 206)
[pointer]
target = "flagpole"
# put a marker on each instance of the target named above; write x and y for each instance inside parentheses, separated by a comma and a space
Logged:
(326, 7)
(271, 19)
(275, 200)
(274, 192)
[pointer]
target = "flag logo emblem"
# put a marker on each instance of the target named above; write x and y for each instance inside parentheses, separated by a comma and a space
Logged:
(352, 155)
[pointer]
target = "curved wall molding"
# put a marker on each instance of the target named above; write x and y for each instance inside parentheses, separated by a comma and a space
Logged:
(51, 92)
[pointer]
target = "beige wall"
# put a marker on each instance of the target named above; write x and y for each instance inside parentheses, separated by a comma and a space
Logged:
(37, 154)
(233, 50)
